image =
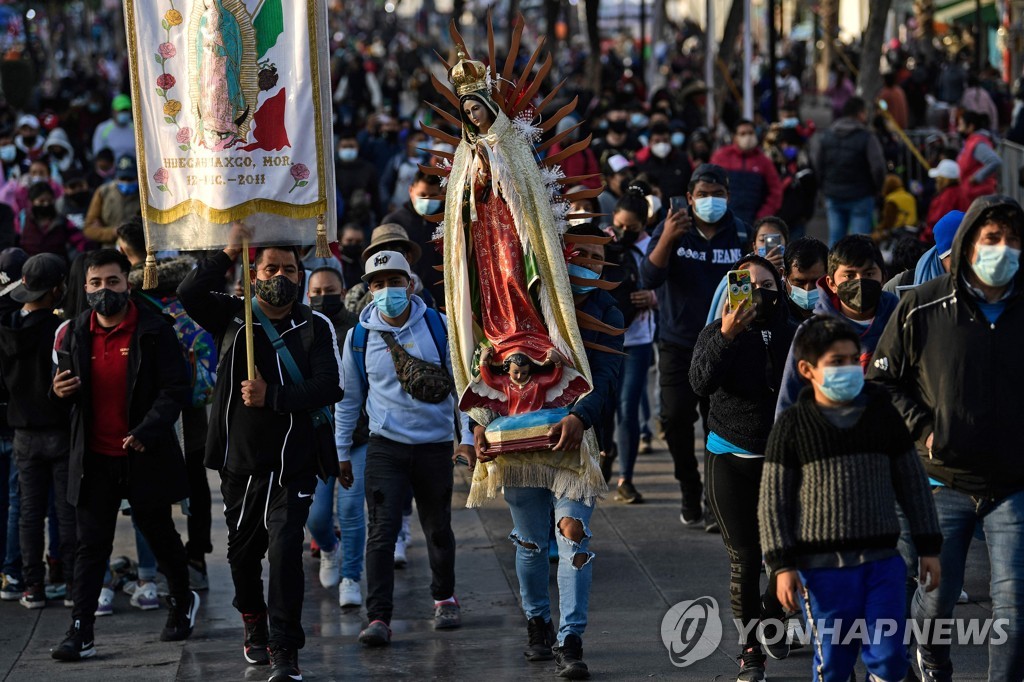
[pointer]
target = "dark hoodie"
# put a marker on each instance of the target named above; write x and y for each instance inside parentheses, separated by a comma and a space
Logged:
(828, 304)
(956, 376)
(742, 378)
(26, 366)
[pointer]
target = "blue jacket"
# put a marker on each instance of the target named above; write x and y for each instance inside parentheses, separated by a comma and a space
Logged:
(828, 304)
(605, 368)
(685, 288)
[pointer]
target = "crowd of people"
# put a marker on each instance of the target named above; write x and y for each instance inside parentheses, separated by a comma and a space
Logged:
(877, 367)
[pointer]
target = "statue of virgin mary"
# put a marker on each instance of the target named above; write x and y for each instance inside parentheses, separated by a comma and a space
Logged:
(218, 59)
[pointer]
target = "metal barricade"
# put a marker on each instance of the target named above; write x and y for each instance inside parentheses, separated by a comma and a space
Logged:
(1013, 159)
(929, 142)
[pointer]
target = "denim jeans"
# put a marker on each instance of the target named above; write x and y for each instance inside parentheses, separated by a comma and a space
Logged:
(351, 517)
(631, 390)
(11, 500)
(1003, 523)
(849, 216)
(531, 517)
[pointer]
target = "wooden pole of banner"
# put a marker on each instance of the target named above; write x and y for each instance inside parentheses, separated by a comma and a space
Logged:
(250, 350)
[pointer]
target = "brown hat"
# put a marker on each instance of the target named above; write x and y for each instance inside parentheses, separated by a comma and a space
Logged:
(694, 87)
(392, 237)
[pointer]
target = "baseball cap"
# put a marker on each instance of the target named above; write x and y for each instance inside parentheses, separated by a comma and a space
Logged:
(945, 230)
(121, 103)
(619, 162)
(40, 273)
(12, 261)
(28, 120)
(947, 168)
(709, 172)
(386, 261)
(126, 168)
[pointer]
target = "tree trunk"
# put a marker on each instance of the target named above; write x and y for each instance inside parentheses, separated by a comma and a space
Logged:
(552, 8)
(727, 48)
(870, 81)
(594, 42)
(829, 32)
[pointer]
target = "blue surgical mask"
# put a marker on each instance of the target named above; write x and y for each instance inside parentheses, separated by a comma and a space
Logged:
(678, 140)
(426, 206)
(128, 188)
(347, 155)
(710, 209)
(790, 122)
(996, 265)
(391, 301)
(638, 121)
(582, 273)
(8, 152)
(842, 384)
(804, 298)
(123, 118)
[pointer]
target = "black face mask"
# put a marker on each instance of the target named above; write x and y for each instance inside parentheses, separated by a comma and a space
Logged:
(28, 140)
(353, 252)
(106, 302)
(766, 302)
(629, 237)
(617, 126)
(328, 304)
(860, 295)
(48, 212)
(277, 291)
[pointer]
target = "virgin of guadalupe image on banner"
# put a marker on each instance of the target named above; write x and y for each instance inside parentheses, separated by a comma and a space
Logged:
(232, 108)
(518, 359)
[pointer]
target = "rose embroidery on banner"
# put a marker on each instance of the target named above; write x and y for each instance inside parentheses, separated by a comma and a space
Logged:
(300, 173)
(161, 177)
(166, 51)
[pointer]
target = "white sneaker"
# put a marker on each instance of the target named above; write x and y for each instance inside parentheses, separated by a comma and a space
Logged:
(144, 596)
(963, 598)
(105, 605)
(349, 594)
(402, 543)
(330, 566)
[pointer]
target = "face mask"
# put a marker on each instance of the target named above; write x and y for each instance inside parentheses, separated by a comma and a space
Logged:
(860, 295)
(710, 209)
(48, 212)
(123, 118)
(105, 174)
(391, 301)
(628, 237)
(128, 188)
(81, 198)
(576, 222)
(328, 304)
(803, 298)
(617, 126)
(766, 302)
(678, 139)
(8, 152)
(638, 121)
(29, 140)
(426, 206)
(790, 122)
(278, 291)
(996, 265)
(582, 273)
(842, 384)
(352, 251)
(790, 153)
(746, 142)
(106, 302)
(661, 149)
(348, 155)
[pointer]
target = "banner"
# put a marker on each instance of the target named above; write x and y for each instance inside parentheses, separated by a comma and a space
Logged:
(232, 108)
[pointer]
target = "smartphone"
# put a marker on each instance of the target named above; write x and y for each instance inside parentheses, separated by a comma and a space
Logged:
(461, 459)
(64, 362)
(677, 203)
(740, 288)
(773, 240)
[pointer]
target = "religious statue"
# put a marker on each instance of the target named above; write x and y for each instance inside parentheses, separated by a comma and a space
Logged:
(222, 105)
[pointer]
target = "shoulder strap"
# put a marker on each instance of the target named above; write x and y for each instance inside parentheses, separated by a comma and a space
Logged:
(277, 342)
(359, 336)
(438, 333)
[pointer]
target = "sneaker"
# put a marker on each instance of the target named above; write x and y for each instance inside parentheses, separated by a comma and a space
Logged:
(34, 597)
(931, 671)
(963, 598)
(257, 634)
(57, 591)
(10, 588)
(349, 593)
(284, 665)
(197, 578)
(691, 517)
(751, 665)
(711, 525)
(376, 634)
(569, 659)
(540, 635)
(105, 605)
(628, 494)
(181, 619)
(78, 644)
(447, 615)
(402, 543)
(143, 595)
(55, 571)
(330, 566)
(774, 638)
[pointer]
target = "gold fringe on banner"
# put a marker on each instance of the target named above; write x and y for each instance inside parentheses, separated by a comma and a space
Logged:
(323, 248)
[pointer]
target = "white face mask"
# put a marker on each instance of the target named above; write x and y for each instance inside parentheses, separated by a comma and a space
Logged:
(347, 154)
(746, 142)
(661, 149)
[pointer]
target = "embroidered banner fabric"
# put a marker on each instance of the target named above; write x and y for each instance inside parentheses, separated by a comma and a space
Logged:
(232, 111)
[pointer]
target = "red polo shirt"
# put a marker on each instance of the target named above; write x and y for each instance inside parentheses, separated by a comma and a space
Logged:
(109, 394)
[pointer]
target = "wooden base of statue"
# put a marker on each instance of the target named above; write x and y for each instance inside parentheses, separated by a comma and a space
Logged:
(524, 432)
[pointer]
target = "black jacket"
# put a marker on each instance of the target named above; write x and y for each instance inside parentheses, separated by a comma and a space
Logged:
(278, 437)
(742, 378)
(957, 377)
(158, 387)
(26, 364)
(605, 366)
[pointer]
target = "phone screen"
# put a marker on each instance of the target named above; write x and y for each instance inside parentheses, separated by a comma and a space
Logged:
(740, 288)
(677, 203)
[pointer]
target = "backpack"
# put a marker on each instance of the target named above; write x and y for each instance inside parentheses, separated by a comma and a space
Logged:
(422, 380)
(198, 346)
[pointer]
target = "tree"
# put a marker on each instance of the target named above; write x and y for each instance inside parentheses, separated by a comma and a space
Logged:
(829, 32)
(594, 42)
(870, 81)
(552, 10)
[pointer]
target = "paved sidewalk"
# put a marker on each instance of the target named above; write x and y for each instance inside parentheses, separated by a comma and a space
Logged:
(646, 561)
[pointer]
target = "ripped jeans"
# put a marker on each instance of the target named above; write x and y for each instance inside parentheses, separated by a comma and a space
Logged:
(531, 514)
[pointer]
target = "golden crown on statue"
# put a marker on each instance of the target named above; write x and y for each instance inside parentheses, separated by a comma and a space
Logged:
(468, 75)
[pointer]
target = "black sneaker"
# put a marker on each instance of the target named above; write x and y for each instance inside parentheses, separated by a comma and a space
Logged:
(181, 618)
(77, 645)
(284, 665)
(773, 637)
(751, 665)
(628, 494)
(569, 659)
(34, 597)
(256, 637)
(540, 638)
(691, 516)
